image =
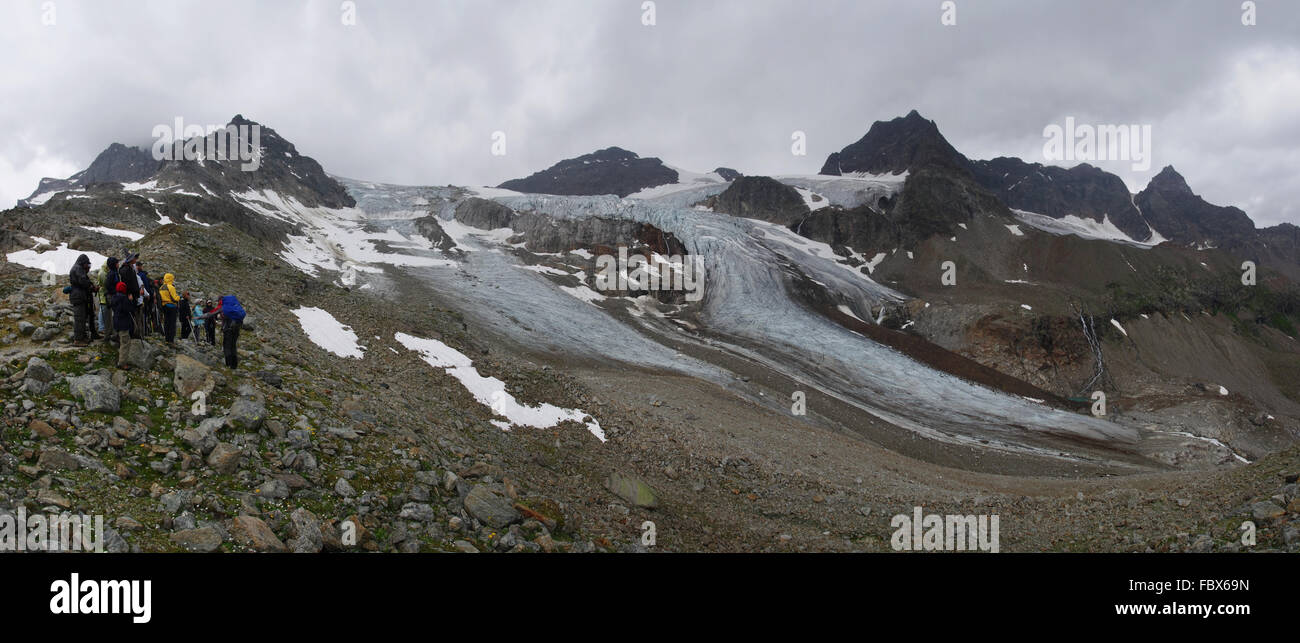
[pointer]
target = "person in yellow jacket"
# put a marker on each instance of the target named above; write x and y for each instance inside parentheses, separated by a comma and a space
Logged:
(170, 301)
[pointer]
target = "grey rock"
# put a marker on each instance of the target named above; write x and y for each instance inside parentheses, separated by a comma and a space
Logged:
(175, 501)
(224, 458)
(57, 459)
(632, 489)
(246, 414)
(201, 540)
(140, 354)
(417, 511)
(39, 370)
(344, 489)
(96, 392)
(273, 488)
(35, 388)
(1266, 510)
(305, 536)
(489, 507)
(190, 375)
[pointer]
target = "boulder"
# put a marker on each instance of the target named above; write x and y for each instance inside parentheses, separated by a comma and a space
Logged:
(35, 388)
(202, 540)
(632, 489)
(39, 370)
(224, 458)
(256, 535)
(96, 392)
(246, 414)
(305, 535)
(140, 354)
(190, 375)
(57, 459)
(490, 507)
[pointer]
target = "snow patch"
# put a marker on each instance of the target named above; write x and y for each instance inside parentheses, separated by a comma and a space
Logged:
(58, 261)
(325, 331)
(490, 391)
(114, 232)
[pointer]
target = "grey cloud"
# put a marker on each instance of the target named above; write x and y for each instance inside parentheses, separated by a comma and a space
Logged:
(413, 92)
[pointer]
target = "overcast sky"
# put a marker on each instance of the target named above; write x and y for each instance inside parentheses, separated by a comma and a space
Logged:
(413, 92)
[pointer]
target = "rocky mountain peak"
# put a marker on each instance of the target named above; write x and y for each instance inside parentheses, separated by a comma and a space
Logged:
(1170, 181)
(612, 170)
(895, 146)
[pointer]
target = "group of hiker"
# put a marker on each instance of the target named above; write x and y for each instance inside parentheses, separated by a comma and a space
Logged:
(132, 305)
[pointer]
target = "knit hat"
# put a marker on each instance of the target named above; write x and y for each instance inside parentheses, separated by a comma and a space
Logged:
(121, 287)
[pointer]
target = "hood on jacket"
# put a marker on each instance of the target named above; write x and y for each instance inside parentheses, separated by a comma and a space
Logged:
(169, 278)
(83, 260)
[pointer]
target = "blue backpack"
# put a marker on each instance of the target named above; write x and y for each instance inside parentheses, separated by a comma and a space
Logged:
(230, 308)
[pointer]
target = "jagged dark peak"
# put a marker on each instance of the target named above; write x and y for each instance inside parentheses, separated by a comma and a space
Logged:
(1084, 191)
(1180, 215)
(278, 167)
(895, 146)
(118, 163)
(1169, 180)
(612, 170)
(727, 173)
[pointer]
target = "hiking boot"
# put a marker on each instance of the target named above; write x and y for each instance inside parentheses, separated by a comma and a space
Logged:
(81, 343)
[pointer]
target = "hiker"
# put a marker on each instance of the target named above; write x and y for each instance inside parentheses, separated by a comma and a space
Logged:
(185, 311)
(107, 288)
(128, 278)
(82, 297)
(170, 302)
(143, 313)
(232, 315)
(123, 312)
(198, 321)
(211, 323)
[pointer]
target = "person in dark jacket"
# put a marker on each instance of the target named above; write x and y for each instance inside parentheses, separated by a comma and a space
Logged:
(211, 324)
(123, 312)
(149, 302)
(232, 316)
(106, 291)
(186, 310)
(126, 274)
(82, 298)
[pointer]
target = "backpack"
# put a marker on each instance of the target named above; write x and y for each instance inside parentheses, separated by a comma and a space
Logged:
(230, 308)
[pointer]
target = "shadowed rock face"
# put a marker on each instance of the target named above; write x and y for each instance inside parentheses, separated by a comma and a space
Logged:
(612, 170)
(484, 214)
(116, 164)
(281, 169)
(761, 197)
(895, 146)
(1083, 191)
(727, 173)
(1182, 216)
